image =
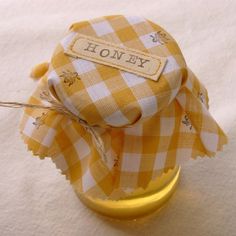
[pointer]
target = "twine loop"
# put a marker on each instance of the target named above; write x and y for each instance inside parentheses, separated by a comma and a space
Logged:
(57, 106)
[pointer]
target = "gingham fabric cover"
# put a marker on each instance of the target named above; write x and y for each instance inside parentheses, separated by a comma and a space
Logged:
(147, 126)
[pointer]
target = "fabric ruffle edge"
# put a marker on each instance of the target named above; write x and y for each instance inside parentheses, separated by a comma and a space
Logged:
(188, 106)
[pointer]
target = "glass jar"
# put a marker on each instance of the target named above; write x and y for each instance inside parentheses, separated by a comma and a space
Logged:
(140, 202)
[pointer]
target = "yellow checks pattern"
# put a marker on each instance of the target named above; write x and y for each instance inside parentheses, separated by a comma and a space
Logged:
(147, 126)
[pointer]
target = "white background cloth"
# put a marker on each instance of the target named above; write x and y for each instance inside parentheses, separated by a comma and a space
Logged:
(35, 199)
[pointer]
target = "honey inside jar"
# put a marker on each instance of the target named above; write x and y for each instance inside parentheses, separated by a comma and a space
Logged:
(141, 202)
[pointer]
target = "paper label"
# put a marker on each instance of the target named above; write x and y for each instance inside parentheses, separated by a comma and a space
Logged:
(128, 59)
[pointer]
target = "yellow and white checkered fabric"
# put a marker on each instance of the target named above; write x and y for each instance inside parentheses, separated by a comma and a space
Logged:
(147, 126)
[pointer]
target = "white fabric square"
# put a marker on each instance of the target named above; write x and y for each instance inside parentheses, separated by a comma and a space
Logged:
(116, 119)
(83, 66)
(53, 78)
(134, 19)
(160, 160)
(102, 28)
(29, 126)
(167, 125)
(132, 79)
(88, 181)
(210, 140)
(171, 65)
(148, 105)
(67, 40)
(48, 139)
(61, 162)
(147, 40)
(82, 148)
(131, 162)
(98, 91)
